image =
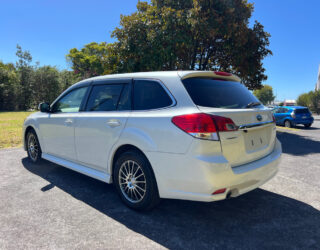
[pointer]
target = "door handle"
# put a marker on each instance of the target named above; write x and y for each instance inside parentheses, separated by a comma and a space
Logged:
(113, 123)
(68, 121)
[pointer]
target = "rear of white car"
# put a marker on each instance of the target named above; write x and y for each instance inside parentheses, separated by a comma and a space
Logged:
(210, 150)
(194, 135)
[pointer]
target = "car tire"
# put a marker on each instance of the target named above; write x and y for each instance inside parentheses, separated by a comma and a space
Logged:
(307, 125)
(135, 182)
(287, 124)
(33, 147)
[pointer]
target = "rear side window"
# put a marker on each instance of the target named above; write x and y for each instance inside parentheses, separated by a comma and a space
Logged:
(104, 97)
(302, 111)
(208, 92)
(150, 94)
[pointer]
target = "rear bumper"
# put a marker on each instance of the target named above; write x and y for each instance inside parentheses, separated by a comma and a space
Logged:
(303, 121)
(197, 177)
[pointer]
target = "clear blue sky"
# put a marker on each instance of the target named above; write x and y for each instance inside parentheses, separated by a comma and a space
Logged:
(49, 28)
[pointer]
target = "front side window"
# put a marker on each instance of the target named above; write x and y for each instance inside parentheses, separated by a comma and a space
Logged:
(214, 93)
(71, 102)
(106, 98)
(150, 94)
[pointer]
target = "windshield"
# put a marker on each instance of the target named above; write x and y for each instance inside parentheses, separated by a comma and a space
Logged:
(215, 93)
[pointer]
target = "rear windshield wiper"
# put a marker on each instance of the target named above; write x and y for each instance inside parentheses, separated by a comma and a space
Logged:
(253, 104)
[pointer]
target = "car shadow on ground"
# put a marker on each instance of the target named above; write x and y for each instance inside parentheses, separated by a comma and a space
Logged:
(304, 128)
(259, 219)
(296, 144)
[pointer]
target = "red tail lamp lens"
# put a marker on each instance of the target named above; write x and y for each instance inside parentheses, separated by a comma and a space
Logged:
(219, 73)
(195, 123)
(204, 126)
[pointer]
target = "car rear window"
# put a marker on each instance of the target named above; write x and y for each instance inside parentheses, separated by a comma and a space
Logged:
(208, 92)
(301, 111)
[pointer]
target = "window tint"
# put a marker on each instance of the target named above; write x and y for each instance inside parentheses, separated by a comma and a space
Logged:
(280, 110)
(276, 110)
(150, 95)
(70, 102)
(104, 97)
(125, 99)
(214, 93)
(302, 111)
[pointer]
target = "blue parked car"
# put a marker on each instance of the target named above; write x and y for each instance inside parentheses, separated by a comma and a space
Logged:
(289, 116)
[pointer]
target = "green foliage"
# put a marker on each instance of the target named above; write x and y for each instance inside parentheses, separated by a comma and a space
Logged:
(25, 71)
(181, 35)
(160, 35)
(304, 100)
(93, 59)
(193, 35)
(310, 100)
(265, 94)
(8, 87)
(23, 85)
(315, 101)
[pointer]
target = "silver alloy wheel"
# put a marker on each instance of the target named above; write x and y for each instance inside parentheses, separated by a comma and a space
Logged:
(287, 124)
(33, 147)
(132, 181)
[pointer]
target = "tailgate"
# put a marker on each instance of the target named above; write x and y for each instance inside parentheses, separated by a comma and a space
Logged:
(253, 140)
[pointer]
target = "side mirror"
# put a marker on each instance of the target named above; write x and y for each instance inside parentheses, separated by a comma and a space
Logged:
(44, 107)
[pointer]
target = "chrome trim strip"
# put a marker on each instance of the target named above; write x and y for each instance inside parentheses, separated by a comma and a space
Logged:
(252, 125)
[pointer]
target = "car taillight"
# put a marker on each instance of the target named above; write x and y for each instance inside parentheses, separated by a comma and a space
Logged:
(204, 126)
(293, 115)
(273, 118)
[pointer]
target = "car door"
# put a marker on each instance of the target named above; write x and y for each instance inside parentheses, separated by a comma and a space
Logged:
(57, 128)
(284, 114)
(99, 127)
(276, 114)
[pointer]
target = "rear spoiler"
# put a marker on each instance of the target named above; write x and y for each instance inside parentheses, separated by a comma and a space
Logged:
(190, 74)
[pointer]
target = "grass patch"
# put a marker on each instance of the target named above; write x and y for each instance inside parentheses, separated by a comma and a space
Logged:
(11, 128)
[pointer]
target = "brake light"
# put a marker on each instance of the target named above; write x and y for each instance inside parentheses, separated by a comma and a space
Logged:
(204, 126)
(219, 191)
(219, 73)
(273, 118)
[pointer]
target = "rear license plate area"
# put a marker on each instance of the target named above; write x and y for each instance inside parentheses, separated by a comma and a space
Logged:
(255, 140)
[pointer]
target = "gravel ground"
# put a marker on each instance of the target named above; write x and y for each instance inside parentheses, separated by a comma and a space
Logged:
(49, 207)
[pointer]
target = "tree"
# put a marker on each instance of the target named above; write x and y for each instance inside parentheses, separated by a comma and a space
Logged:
(304, 100)
(8, 87)
(193, 34)
(47, 85)
(265, 94)
(24, 70)
(24, 86)
(310, 100)
(315, 101)
(93, 59)
(67, 78)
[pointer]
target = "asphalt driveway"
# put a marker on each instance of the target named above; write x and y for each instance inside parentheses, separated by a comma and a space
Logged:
(48, 206)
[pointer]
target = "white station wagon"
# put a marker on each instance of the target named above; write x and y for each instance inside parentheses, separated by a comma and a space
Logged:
(193, 135)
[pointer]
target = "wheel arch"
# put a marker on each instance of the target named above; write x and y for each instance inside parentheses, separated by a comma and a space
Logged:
(28, 128)
(125, 148)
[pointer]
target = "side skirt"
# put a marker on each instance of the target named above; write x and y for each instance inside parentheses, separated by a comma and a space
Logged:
(78, 168)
